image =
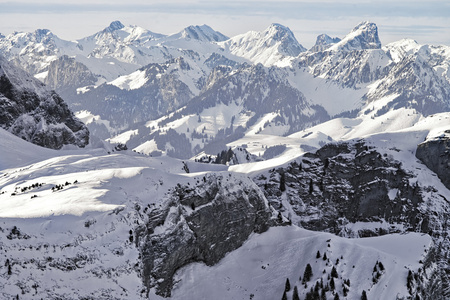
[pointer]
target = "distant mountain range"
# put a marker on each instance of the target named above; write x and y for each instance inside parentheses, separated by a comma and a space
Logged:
(124, 78)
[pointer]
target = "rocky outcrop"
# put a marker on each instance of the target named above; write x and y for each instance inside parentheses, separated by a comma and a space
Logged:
(324, 42)
(200, 224)
(435, 154)
(66, 74)
(363, 36)
(30, 111)
(346, 183)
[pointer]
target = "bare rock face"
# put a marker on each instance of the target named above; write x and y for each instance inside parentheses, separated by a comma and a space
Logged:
(65, 74)
(346, 183)
(30, 111)
(324, 42)
(200, 224)
(435, 154)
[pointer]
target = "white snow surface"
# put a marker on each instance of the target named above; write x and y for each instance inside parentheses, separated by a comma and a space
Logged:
(261, 266)
(132, 81)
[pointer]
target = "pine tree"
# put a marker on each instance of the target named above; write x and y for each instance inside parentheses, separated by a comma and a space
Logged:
(318, 254)
(336, 296)
(316, 294)
(307, 274)
(363, 295)
(326, 163)
(282, 182)
(323, 295)
(325, 256)
(345, 291)
(334, 272)
(332, 286)
(295, 294)
(287, 286)
(284, 296)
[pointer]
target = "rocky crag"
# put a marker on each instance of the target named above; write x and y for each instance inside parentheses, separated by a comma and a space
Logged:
(29, 110)
(200, 223)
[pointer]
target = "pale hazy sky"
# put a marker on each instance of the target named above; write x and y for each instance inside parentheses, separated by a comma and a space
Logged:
(428, 22)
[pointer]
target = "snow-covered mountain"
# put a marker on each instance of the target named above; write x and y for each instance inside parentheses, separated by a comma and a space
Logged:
(372, 86)
(202, 33)
(363, 36)
(269, 47)
(321, 172)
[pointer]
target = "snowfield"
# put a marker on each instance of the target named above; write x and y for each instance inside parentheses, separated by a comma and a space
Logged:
(260, 267)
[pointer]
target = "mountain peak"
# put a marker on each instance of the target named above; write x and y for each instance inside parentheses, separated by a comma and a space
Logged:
(115, 25)
(268, 47)
(41, 32)
(278, 31)
(363, 36)
(325, 39)
(278, 26)
(289, 44)
(203, 33)
(324, 42)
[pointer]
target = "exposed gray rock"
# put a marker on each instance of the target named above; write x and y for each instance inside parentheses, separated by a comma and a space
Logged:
(65, 73)
(216, 60)
(348, 182)
(30, 111)
(200, 223)
(324, 42)
(435, 154)
(363, 36)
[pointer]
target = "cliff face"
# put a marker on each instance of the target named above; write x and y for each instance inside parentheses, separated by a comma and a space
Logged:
(65, 74)
(346, 183)
(435, 154)
(30, 111)
(200, 223)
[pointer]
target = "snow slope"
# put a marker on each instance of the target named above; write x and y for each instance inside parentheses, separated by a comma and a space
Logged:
(260, 267)
(16, 152)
